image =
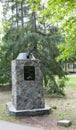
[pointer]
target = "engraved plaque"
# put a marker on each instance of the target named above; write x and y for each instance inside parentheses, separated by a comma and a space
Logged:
(29, 73)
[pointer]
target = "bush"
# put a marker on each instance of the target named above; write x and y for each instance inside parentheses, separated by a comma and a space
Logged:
(56, 86)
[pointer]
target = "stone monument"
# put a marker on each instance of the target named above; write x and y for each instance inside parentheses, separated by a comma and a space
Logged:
(27, 87)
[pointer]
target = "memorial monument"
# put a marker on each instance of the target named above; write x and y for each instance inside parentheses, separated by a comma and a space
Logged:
(27, 87)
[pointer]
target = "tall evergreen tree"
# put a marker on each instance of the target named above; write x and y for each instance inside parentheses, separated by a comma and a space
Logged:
(29, 28)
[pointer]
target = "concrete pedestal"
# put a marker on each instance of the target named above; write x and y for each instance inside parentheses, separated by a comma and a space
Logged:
(27, 87)
(34, 112)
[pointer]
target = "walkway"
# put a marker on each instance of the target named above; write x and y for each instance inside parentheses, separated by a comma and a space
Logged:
(12, 126)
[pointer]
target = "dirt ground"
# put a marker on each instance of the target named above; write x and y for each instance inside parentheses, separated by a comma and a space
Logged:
(65, 109)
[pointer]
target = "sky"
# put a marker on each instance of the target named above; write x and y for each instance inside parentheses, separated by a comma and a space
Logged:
(0, 20)
(0, 8)
(0, 13)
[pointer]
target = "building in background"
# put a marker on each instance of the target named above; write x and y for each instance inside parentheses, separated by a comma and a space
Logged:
(70, 67)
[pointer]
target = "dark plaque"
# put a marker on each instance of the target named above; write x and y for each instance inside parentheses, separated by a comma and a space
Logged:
(29, 73)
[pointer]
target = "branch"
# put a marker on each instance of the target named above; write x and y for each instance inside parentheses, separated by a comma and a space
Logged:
(44, 34)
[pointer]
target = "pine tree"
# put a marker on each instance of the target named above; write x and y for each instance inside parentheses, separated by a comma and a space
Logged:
(29, 28)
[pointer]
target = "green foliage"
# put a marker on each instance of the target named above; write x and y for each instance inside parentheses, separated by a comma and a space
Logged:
(4, 68)
(35, 4)
(63, 13)
(43, 35)
(56, 87)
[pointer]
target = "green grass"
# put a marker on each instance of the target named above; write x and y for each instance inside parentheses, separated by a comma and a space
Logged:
(71, 82)
(5, 96)
(66, 109)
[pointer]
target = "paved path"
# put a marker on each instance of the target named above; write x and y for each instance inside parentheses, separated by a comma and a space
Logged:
(12, 126)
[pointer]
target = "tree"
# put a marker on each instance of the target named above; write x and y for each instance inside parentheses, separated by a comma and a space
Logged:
(62, 12)
(35, 30)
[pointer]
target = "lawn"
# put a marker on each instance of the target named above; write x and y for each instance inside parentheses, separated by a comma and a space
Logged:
(71, 80)
(66, 109)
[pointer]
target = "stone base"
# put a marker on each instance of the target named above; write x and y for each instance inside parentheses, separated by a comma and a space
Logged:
(34, 112)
